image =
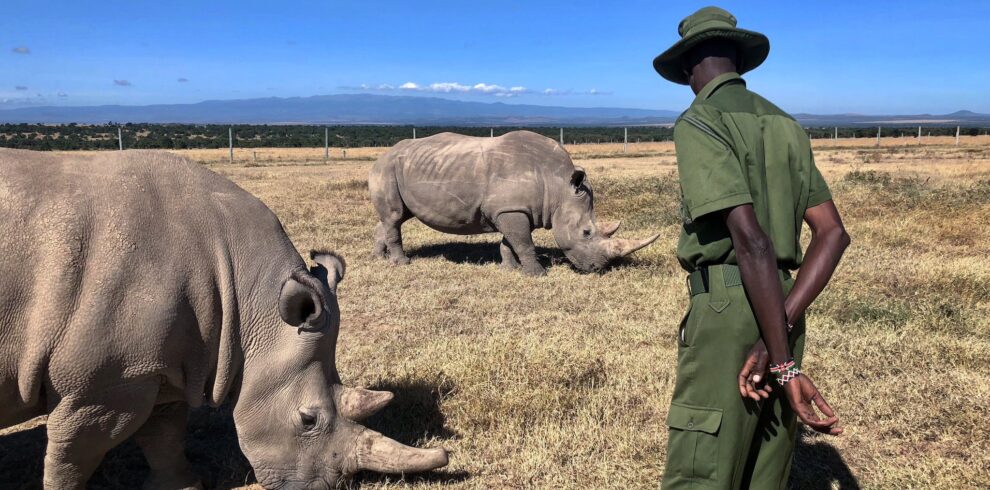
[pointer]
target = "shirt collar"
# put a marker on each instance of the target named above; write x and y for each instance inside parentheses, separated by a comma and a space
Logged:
(715, 83)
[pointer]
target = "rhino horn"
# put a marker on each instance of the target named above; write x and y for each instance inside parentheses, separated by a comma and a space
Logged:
(358, 404)
(620, 247)
(609, 228)
(374, 452)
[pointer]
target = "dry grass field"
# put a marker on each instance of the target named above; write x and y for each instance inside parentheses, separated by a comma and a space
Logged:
(564, 381)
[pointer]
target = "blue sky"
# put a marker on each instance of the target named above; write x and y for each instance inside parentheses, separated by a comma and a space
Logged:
(826, 57)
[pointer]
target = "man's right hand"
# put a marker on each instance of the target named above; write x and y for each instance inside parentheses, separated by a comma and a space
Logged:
(753, 380)
(801, 393)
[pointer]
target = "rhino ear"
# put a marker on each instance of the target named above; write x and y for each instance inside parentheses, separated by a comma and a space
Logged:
(329, 268)
(299, 304)
(577, 178)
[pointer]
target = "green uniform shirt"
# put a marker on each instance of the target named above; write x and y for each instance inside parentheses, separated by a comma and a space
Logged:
(735, 147)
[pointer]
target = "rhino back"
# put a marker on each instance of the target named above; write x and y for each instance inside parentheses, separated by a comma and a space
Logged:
(119, 270)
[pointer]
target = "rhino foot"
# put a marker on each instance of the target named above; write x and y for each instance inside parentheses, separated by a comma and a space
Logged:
(400, 260)
(535, 270)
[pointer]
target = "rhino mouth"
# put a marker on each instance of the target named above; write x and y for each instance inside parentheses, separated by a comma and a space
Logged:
(272, 480)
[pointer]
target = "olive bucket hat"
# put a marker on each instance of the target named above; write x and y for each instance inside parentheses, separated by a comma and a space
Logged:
(711, 23)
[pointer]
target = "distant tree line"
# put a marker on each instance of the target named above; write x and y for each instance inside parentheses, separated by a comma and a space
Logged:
(892, 131)
(182, 136)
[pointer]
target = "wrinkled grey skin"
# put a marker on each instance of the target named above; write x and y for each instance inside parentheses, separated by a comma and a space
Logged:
(512, 184)
(134, 285)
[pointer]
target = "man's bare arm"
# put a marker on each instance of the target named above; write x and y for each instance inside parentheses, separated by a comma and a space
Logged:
(760, 277)
(828, 241)
(758, 270)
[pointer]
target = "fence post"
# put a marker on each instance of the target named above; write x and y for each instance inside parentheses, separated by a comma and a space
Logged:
(957, 135)
(625, 139)
(493, 133)
(878, 136)
(836, 133)
(326, 144)
(561, 136)
(230, 138)
(120, 138)
(414, 132)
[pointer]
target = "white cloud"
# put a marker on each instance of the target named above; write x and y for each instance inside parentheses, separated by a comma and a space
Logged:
(447, 87)
(488, 89)
(21, 50)
(62, 94)
(122, 83)
(481, 88)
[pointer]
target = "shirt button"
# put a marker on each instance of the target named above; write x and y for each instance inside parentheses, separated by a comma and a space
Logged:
(691, 424)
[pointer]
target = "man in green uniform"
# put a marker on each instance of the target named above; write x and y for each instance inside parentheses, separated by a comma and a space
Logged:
(748, 183)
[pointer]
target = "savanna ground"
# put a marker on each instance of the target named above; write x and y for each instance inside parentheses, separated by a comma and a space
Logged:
(564, 381)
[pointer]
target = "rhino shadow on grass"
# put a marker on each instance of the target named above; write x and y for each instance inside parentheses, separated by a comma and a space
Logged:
(412, 416)
(480, 253)
(211, 445)
(488, 253)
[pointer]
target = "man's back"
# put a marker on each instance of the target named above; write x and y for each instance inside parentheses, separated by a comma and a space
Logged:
(735, 147)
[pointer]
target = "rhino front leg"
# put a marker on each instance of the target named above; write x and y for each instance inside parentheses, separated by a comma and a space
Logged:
(162, 440)
(509, 259)
(81, 431)
(518, 233)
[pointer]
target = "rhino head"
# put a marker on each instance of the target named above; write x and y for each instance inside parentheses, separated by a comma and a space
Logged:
(588, 245)
(297, 425)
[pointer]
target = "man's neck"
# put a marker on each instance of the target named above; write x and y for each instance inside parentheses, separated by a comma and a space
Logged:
(709, 69)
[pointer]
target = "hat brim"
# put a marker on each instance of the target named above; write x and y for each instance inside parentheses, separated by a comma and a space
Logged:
(753, 51)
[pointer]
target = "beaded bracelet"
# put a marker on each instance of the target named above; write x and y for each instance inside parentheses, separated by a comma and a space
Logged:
(791, 373)
(782, 367)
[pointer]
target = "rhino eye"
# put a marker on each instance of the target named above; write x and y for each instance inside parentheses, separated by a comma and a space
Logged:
(307, 419)
(586, 233)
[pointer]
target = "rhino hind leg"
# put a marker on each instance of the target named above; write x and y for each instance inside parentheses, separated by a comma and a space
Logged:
(517, 232)
(388, 242)
(392, 212)
(162, 440)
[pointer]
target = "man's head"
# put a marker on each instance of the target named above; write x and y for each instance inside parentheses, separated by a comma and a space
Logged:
(711, 34)
(708, 60)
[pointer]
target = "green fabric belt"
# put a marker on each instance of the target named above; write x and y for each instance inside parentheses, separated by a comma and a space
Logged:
(698, 280)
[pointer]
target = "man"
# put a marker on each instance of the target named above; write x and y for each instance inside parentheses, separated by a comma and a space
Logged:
(748, 180)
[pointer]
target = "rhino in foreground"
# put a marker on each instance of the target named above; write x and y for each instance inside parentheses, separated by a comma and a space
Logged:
(136, 284)
(512, 184)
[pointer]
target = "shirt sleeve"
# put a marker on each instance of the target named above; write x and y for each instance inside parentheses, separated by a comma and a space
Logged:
(710, 175)
(818, 191)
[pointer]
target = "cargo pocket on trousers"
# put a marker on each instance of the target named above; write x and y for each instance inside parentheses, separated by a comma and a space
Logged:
(692, 447)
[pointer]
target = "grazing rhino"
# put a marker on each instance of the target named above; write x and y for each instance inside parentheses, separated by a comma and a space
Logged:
(136, 284)
(512, 184)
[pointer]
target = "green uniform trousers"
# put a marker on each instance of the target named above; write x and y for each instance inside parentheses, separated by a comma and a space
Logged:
(718, 439)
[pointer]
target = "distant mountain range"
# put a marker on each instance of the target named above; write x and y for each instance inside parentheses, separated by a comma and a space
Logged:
(386, 109)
